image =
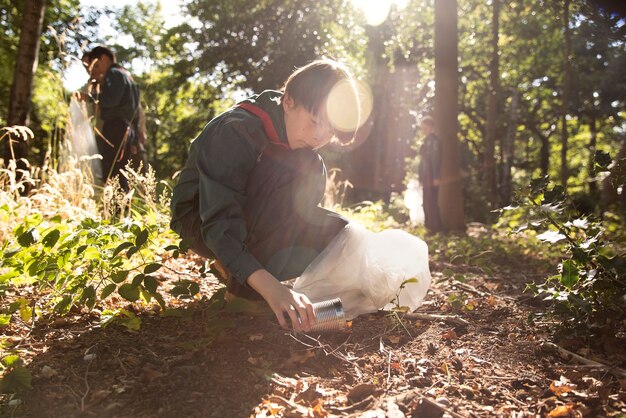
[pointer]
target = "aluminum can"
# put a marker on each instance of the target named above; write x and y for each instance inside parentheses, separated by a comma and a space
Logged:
(329, 316)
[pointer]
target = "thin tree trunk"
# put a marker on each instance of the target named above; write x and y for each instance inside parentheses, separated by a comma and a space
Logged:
(566, 93)
(446, 113)
(509, 152)
(593, 141)
(25, 67)
(489, 162)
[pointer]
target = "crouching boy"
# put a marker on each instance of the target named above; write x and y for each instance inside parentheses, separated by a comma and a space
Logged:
(248, 194)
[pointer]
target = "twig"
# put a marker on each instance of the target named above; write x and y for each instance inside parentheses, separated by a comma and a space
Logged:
(354, 406)
(304, 411)
(613, 370)
(82, 399)
(434, 317)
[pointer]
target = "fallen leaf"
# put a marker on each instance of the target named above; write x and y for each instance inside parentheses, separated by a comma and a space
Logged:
(319, 411)
(562, 411)
(310, 395)
(256, 337)
(300, 357)
(622, 383)
(562, 386)
(450, 335)
(149, 375)
(394, 339)
(362, 391)
(491, 301)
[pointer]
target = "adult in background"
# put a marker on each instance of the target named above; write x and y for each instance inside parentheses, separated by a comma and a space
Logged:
(430, 174)
(117, 100)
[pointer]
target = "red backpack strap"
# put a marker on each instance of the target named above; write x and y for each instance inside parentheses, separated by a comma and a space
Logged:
(268, 126)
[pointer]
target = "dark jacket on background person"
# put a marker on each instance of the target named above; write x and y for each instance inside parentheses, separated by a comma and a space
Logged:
(245, 198)
(118, 112)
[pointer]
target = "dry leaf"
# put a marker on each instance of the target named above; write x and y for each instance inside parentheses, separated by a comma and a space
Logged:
(319, 411)
(394, 339)
(622, 383)
(362, 391)
(491, 301)
(450, 335)
(256, 337)
(150, 375)
(562, 386)
(562, 411)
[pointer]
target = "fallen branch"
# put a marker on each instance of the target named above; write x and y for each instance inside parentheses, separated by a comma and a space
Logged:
(434, 317)
(591, 363)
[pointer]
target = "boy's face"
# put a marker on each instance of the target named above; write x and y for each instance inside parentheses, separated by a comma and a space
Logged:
(99, 68)
(305, 129)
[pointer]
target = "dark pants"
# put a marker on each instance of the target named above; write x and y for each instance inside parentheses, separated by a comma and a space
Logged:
(115, 149)
(286, 229)
(432, 218)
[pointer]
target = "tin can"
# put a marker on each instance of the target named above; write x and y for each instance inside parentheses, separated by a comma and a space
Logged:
(329, 316)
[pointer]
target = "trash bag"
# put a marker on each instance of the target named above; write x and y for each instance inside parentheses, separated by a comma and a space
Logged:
(369, 271)
(81, 135)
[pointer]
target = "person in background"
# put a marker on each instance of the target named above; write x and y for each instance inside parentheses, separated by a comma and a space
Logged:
(248, 194)
(116, 95)
(429, 172)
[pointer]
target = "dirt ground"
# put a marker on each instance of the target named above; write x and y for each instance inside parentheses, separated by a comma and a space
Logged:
(476, 355)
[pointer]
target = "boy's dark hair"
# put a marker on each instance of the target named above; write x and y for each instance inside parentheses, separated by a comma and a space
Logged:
(310, 85)
(99, 51)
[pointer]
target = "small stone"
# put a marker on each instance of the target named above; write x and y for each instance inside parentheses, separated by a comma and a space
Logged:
(443, 401)
(48, 372)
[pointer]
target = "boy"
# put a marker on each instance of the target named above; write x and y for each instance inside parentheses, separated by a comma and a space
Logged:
(249, 191)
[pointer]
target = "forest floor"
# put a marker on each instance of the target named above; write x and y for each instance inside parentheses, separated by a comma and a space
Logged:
(476, 355)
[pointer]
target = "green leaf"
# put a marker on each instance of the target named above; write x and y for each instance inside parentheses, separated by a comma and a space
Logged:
(28, 238)
(142, 237)
(121, 248)
(137, 280)
(64, 304)
(132, 251)
(11, 361)
(151, 268)
(51, 238)
(17, 380)
(5, 319)
(89, 296)
(119, 276)
(91, 253)
(538, 185)
(569, 274)
(129, 292)
(602, 160)
(108, 289)
(151, 284)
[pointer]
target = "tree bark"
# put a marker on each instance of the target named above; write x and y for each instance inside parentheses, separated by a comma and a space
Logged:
(446, 113)
(508, 148)
(593, 141)
(566, 93)
(25, 67)
(489, 162)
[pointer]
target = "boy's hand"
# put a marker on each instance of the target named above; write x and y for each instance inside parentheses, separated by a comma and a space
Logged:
(284, 301)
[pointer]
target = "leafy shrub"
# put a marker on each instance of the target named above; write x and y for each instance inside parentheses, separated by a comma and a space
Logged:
(589, 290)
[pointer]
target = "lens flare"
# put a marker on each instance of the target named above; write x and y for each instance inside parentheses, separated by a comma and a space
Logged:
(375, 11)
(349, 105)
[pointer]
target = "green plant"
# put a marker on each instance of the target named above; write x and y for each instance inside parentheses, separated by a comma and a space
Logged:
(589, 290)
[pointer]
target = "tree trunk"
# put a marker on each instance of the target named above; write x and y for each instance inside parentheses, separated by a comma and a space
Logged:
(489, 162)
(566, 93)
(446, 113)
(25, 67)
(593, 141)
(508, 154)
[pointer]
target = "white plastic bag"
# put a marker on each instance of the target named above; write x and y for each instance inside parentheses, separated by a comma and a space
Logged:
(366, 270)
(80, 133)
